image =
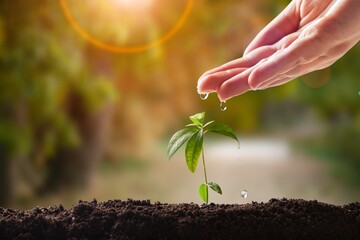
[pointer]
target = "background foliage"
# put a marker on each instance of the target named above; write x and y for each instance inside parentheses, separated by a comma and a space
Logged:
(66, 105)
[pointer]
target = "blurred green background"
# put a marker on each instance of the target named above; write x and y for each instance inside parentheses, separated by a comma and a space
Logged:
(79, 122)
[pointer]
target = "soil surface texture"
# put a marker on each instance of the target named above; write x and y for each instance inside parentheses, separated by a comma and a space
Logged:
(276, 219)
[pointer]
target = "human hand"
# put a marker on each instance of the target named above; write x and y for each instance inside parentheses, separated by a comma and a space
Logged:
(308, 35)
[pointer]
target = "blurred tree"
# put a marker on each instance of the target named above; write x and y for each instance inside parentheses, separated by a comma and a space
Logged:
(54, 86)
(49, 101)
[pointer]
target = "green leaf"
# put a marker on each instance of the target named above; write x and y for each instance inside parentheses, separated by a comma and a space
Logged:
(223, 130)
(191, 125)
(198, 118)
(203, 192)
(208, 123)
(215, 187)
(193, 150)
(179, 138)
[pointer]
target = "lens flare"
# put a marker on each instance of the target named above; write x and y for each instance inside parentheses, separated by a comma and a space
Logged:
(318, 78)
(134, 4)
(131, 4)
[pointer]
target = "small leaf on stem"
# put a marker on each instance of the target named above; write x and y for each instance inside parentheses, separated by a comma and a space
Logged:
(208, 123)
(215, 187)
(193, 150)
(179, 138)
(203, 192)
(198, 118)
(223, 130)
(192, 125)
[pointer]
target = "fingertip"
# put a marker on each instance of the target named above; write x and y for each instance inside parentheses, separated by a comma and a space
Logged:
(201, 83)
(204, 82)
(203, 75)
(200, 87)
(202, 91)
(223, 91)
(223, 98)
(204, 85)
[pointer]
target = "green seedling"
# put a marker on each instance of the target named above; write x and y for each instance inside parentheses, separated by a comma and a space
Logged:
(193, 135)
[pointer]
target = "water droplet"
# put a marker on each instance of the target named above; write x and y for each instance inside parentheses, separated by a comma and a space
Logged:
(244, 194)
(204, 96)
(223, 106)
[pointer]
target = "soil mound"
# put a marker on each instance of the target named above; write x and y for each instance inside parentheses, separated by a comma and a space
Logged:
(276, 219)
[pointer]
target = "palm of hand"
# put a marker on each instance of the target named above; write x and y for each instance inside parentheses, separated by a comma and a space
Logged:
(308, 35)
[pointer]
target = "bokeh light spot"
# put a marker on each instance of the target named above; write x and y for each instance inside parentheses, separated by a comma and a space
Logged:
(318, 78)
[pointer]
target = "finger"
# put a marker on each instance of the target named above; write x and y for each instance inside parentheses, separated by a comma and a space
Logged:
(234, 86)
(281, 63)
(276, 82)
(212, 82)
(297, 71)
(287, 41)
(285, 23)
(244, 62)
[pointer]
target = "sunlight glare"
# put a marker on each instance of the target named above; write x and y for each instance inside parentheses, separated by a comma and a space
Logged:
(140, 22)
(135, 4)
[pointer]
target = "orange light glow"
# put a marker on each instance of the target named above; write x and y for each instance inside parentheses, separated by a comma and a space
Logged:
(139, 4)
(135, 4)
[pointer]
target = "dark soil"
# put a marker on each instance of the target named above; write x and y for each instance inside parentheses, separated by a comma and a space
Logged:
(276, 219)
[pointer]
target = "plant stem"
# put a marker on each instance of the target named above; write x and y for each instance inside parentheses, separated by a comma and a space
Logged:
(203, 160)
(206, 181)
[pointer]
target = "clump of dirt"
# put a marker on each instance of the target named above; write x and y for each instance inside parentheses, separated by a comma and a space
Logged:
(276, 219)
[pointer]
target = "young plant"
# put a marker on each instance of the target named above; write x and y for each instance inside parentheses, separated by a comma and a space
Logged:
(193, 135)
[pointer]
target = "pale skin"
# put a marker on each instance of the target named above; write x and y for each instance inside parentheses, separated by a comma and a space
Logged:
(308, 35)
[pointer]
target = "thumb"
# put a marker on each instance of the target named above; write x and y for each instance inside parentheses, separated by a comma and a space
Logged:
(285, 23)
